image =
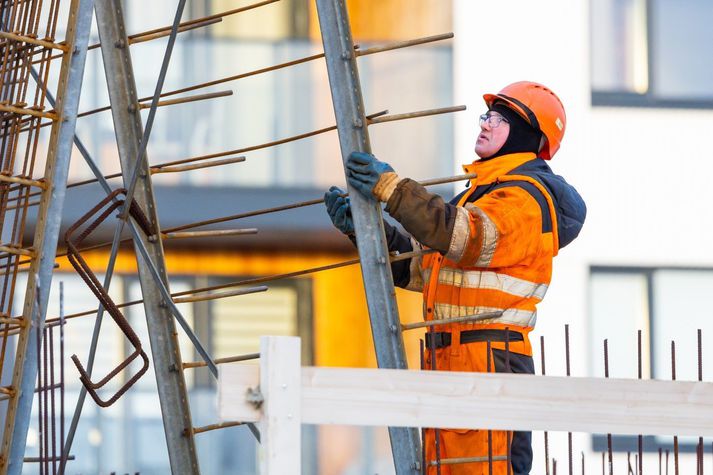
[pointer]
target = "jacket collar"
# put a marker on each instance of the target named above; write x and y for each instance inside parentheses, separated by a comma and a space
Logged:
(488, 171)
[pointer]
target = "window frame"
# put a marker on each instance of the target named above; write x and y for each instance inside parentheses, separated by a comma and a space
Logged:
(649, 99)
(650, 443)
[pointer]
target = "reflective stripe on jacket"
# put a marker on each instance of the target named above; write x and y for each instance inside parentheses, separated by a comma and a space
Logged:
(502, 234)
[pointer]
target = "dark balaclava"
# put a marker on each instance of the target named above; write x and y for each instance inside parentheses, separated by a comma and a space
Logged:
(522, 137)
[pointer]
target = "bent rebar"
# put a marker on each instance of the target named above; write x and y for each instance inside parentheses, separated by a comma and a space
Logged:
(84, 271)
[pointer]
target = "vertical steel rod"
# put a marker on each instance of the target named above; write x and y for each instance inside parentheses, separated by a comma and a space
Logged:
(46, 235)
(700, 378)
(376, 272)
(569, 434)
(640, 463)
(162, 332)
(490, 432)
(508, 433)
(61, 374)
(544, 373)
(609, 439)
(424, 463)
(436, 431)
(675, 438)
(53, 415)
(40, 418)
(44, 390)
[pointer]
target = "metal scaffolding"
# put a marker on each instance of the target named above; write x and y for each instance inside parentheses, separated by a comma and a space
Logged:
(25, 55)
(20, 129)
(368, 222)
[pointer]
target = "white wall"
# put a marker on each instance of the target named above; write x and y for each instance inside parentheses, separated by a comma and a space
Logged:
(643, 172)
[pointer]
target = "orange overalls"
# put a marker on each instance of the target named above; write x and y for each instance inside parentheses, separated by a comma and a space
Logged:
(499, 259)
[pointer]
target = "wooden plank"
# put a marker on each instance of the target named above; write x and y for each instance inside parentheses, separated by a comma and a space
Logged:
(234, 381)
(494, 401)
(281, 387)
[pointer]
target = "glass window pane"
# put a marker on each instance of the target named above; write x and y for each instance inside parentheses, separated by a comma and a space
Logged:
(619, 46)
(238, 322)
(681, 34)
(680, 309)
(618, 309)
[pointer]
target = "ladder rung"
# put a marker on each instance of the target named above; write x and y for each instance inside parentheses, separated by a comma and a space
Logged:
(446, 321)
(22, 181)
(204, 234)
(222, 425)
(9, 390)
(460, 460)
(21, 322)
(17, 251)
(28, 111)
(219, 295)
(34, 41)
(229, 359)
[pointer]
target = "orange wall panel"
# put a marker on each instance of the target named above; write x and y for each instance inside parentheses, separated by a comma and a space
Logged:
(342, 333)
(374, 20)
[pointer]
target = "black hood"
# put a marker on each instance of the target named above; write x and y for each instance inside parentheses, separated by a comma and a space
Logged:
(522, 137)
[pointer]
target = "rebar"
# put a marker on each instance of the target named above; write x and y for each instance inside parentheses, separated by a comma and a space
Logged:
(544, 373)
(220, 295)
(251, 281)
(488, 364)
(63, 457)
(508, 434)
(35, 26)
(229, 359)
(187, 100)
(422, 367)
(168, 169)
(173, 164)
(569, 434)
(436, 181)
(675, 438)
(640, 438)
(204, 234)
(436, 431)
(221, 425)
(700, 378)
(609, 437)
(465, 460)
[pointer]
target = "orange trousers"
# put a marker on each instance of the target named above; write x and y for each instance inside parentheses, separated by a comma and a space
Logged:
(456, 443)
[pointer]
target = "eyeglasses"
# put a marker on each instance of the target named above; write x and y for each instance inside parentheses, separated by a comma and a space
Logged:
(492, 120)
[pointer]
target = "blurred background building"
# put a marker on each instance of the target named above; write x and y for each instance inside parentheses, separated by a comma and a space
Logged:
(637, 83)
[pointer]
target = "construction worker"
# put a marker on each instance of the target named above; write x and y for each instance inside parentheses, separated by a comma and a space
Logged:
(495, 242)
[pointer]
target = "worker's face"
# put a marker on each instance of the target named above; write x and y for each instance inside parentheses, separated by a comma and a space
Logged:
(494, 131)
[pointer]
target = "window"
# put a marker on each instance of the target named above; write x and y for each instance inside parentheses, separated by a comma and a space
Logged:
(667, 305)
(652, 53)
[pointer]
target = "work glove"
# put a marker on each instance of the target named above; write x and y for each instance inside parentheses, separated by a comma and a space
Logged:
(339, 210)
(371, 177)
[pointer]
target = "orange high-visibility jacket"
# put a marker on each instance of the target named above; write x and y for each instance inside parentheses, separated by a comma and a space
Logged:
(496, 241)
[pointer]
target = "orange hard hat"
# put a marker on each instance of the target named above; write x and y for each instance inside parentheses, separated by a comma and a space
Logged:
(540, 107)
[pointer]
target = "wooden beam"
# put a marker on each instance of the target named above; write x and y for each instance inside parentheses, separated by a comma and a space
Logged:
(369, 397)
(280, 386)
